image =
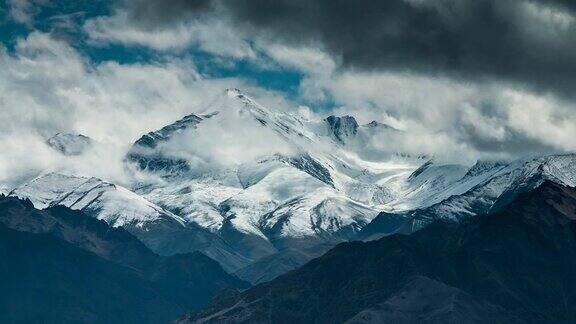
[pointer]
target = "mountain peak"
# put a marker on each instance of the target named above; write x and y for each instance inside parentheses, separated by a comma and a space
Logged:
(483, 166)
(233, 93)
(152, 139)
(232, 99)
(380, 126)
(69, 144)
(342, 127)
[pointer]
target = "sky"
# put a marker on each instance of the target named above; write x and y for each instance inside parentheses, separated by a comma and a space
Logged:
(483, 79)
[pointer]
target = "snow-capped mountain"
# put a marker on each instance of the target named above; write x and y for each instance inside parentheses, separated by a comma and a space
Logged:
(485, 188)
(70, 144)
(244, 183)
(114, 204)
(499, 184)
(297, 184)
(161, 230)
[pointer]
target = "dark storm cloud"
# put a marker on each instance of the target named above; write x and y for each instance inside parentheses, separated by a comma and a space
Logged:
(154, 13)
(567, 4)
(462, 38)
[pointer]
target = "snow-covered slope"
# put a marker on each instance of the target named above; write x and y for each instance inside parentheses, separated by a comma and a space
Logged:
(486, 187)
(114, 204)
(161, 230)
(505, 183)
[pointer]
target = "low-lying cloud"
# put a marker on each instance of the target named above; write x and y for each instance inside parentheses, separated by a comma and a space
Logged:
(227, 140)
(47, 87)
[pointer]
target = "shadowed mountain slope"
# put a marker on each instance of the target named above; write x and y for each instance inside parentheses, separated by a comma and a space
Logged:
(60, 265)
(516, 265)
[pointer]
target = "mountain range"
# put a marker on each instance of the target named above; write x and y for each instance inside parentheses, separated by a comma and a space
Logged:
(297, 188)
(511, 266)
(322, 217)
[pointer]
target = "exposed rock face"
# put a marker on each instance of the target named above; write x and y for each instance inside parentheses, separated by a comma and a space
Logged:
(144, 156)
(341, 128)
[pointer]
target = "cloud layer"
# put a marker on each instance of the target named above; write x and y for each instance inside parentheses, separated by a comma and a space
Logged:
(47, 87)
(531, 42)
(465, 79)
